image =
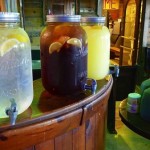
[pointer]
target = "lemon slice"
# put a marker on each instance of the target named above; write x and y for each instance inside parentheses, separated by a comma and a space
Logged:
(75, 42)
(7, 46)
(55, 47)
(63, 39)
(19, 37)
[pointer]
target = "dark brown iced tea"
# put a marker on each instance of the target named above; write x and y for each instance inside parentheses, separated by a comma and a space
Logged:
(63, 58)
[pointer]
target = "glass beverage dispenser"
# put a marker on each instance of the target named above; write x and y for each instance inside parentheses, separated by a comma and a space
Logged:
(98, 46)
(63, 45)
(16, 84)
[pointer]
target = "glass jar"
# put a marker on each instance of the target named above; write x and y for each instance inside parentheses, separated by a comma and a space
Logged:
(63, 45)
(16, 85)
(98, 46)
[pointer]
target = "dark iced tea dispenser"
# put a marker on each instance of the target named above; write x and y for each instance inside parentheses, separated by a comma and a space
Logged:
(63, 45)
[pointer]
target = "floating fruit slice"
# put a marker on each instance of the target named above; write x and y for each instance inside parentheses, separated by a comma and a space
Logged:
(75, 42)
(2, 39)
(55, 47)
(63, 39)
(19, 37)
(7, 46)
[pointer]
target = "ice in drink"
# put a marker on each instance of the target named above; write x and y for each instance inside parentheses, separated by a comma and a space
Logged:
(15, 70)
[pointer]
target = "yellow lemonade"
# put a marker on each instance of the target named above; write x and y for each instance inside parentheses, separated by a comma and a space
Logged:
(98, 50)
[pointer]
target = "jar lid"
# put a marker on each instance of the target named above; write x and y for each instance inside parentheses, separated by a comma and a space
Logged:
(134, 95)
(63, 18)
(93, 19)
(9, 17)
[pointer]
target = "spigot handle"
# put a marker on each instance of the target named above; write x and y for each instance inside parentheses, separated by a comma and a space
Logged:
(12, 112)
(92, 86)
(114, 70)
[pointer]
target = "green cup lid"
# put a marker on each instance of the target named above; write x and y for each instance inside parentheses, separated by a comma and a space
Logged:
(134, 95)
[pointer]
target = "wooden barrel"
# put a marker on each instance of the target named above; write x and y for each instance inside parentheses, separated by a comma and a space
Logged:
(72, 122)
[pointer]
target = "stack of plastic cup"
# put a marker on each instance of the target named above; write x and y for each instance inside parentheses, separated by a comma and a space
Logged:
(133, 102)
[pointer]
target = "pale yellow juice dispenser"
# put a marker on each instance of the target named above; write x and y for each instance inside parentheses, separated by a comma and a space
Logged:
(98, 46)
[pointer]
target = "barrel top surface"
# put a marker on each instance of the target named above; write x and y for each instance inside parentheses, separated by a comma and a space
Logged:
(47, 106)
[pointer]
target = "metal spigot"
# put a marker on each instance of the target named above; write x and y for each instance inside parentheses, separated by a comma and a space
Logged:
(12, 112)
(92, 86)
(115, 70)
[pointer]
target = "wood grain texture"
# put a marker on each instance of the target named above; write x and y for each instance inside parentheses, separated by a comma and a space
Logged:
(47, 145)
(60, 123)
(41, 132)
